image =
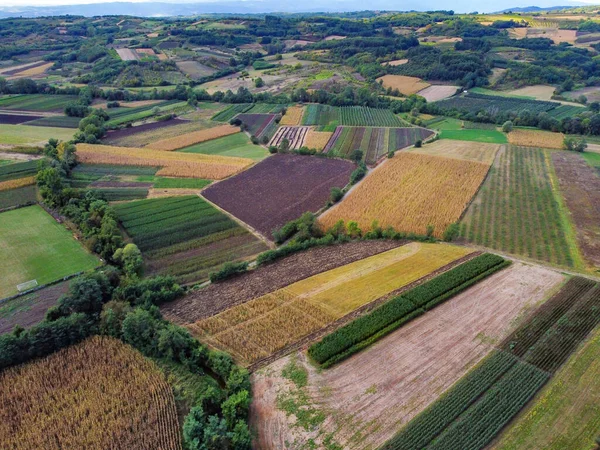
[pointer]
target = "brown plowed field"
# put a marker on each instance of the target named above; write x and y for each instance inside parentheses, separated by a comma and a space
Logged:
(580, 186)
(218, 297)
(367, 398)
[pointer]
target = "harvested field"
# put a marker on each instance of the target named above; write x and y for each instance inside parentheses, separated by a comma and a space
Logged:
(406, 85)
(293, 116)
(195, 137)
(295, 135)
(194, 69)
(435, 93)
(396, 62)
(174, 164)
(216, 298)
(410, 192)
(255, 330)
(592, 93)
(538, 92)
(127, 54)
(29, 309)
(536, 138)
(363, 401)
(317, 139)
(15, 119)
(465, 150)
(580, 186)
(279, 189)
(33, 71)
(100, 393)
(12, 70)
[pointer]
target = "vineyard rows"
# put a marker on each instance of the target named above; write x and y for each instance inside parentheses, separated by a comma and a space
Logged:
(18, 170)
(494, 104)
(316, 114)
(294, 135)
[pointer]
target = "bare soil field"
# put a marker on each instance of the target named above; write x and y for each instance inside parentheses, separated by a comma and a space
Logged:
(396, 62)
(334, 37)
(555, 34)
(435, 93)
(218, 297)
(127, 54)
(592, 93)
(580, 186)
(194, 69)
(363, 401)
(539, 91)
(406, 85)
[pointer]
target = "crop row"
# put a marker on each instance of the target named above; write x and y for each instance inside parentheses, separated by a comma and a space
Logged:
(294, 135)
(132, 210)
(257, 123)
(365, 330)
(349, 116)
(494, 104)
(18, 170)
(120, 194)
(229, 113)
(265, 108)
(37, 102)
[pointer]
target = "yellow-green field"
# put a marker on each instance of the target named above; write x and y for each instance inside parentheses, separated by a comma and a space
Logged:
(29, 135)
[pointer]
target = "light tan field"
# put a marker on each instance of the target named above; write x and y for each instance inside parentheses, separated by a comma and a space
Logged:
(292, 116)
(539, 91)
(174, 164)
(162, 192)
(397, 62)
(365, 400)
(435, 93)
(406, 85)
(196, 137)
(536, 138)
(334, 37)
(134, 104)
(553, 33)
(143, 138)
(317, 139)
(410, 192)
(465, 150)
(20, 66)
(145, 51)
(127, 54)
(33, 71)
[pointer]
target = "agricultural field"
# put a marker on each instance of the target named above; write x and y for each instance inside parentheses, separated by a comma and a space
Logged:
(32, 135)
(373, 142)
(17, 170)
(360, 403)
(17, 183)
(56, 121)
(411, 192)
(463, 150)
(472, 103)
(580, 185)
(16, 119)
(147, 133)
(229, 113)
(436, 93)
(317, 139)
(331, 116)
(263, 326)
(33, 246)
(536, 138)
(296, 136)
(235, 145)
(124, 115)
(185, 236)
(173, 164)
(517, 210)
(194, 69)
(196, 137)
(279, 189)
(475, 135)
(406, 85)
(36, 102)
(26, 195)
(564, 111)
(100, 393)
(293, 116)
(258, 124)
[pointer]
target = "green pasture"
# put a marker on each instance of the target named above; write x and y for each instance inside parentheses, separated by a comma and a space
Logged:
(233, 145)
(490, 136)
(24, 134)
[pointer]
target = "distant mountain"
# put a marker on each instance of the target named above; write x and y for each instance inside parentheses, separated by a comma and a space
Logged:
(531, 9)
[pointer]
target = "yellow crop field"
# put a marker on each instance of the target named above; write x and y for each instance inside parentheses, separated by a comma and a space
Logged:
(98, 394)
(196, 137)
(536, 138)
(256, 329)
(174, 164)
(465, 150)
(34, 70)
(406, 85)
(410, 192)
(317, 139)
(293, 116)
(13, 184)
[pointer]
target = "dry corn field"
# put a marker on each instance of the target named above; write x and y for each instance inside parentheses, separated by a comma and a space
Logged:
(196, 137)
(406, 85)
(173, 164)
(465, 150)
(99, 394)
(293, 116)
(256, 329)
(294, 135)
(410, 192)
(536, 138)
(19, 182)
(317, 139)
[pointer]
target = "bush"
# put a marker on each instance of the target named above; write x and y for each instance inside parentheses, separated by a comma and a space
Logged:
(358, 173)
(451, 232)
(418, 143)
(254, 139)
(229, 269)
(336, 194)
(272, 149)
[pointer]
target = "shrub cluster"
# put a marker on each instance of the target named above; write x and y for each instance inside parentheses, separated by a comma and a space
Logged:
(229, 269)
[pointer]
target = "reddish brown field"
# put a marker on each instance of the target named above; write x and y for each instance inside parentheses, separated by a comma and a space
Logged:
(580, 186)
(364, 400)
(279, 189)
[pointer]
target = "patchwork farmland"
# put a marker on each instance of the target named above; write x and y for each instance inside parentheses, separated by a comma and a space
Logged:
(536, 138)
(325, 115)
(258, 124)
(411, 192)
(296, 136)
(464, 150)
(185, 236)
(279, 189)
(195, 137)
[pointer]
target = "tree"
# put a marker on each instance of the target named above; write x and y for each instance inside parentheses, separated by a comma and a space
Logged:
(507, 127)
(357, 155)
(353, 230)
(130, 259)
(259, 82)
(336, 194)
(50, 185)
(574, 144)
(284, 145)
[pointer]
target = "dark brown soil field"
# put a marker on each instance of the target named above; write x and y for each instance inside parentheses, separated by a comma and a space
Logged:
(29, 309)
(279, 189)
(218, 297)
(124, 132)
(580, 186)
(15, 119)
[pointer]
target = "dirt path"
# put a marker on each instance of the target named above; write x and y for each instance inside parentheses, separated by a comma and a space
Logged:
(367, 398)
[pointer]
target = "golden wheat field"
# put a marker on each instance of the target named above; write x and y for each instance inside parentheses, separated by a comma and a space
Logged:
(196, 137)
(406, 85)
(465, 150)
(256, 329)
(174, 164)
(410, 192)
(293, 116)
(317, 139)
(536, 138)
(34, 70)
(98, 394)
(19, 182)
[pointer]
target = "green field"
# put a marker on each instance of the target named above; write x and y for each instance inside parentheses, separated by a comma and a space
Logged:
(232, 145)
(18, 197)
(490, 136)
(180, 183)
(34, 246)
(36, 102)
(448, 124)
(593, 159)
(24, 134)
